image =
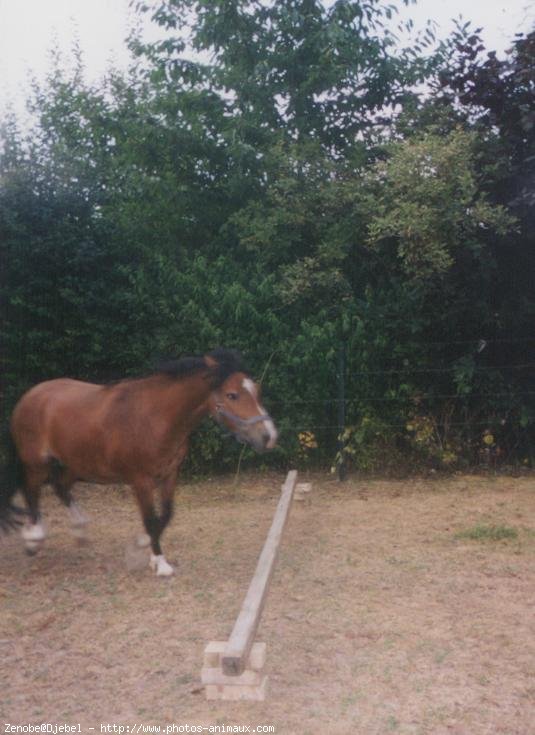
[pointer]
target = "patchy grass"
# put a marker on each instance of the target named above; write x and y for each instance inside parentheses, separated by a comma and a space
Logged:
(488, 533)
(376, 622)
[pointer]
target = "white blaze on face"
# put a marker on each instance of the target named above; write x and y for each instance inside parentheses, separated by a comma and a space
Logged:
(268, 423)
(249, 386)
(272, 431)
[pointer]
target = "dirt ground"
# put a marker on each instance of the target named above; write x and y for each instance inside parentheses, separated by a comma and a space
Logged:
(381, 618)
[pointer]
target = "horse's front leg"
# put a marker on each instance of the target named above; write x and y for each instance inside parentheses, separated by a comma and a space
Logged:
(62, 481)
(33, 532)
(155, 521)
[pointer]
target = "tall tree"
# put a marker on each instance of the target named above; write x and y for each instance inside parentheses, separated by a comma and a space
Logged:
(292, 68)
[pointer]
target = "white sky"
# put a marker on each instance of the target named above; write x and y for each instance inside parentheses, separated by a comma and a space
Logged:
(30, 28)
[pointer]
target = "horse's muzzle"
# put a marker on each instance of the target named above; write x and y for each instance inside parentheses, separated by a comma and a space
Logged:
(270, 434)
(262, 437)
(263, 440)
(258, 431)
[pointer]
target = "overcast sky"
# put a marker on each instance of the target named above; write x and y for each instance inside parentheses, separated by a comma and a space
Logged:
(30, 28)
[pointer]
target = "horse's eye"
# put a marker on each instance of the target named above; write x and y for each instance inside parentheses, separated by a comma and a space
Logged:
(232, 396)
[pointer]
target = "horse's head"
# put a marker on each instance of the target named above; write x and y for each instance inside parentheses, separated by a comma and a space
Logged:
(235, 402)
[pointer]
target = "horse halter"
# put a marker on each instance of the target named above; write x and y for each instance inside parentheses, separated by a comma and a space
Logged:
(237, 419)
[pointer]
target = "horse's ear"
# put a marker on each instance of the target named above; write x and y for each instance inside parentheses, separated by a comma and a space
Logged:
(222, 363)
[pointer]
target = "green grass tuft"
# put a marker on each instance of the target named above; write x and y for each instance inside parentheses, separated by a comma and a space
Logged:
(488, 533)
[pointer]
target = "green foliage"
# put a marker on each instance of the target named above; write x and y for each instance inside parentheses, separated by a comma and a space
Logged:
(368, 446)
(488, 533)
(426, 197)
(433, 439)
(271, 199)
(291, 69)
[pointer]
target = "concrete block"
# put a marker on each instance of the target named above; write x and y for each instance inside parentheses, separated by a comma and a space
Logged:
(241, 693)
(257, 657)
(302, 493)
(212, 654)
(216, 676)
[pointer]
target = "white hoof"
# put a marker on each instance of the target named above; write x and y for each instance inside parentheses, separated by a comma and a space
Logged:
(160, 566)
(78, 517)
(143, 540)
(79, 522)
(33, 536)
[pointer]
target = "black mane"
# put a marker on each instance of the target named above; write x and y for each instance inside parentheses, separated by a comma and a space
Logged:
(181, 368)
(226, 362)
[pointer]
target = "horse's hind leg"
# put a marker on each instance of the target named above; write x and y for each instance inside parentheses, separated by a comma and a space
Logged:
(33, 532)
(62, 482)
(155, 522)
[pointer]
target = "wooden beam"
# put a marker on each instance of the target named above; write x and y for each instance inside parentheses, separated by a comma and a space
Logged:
(243, 634)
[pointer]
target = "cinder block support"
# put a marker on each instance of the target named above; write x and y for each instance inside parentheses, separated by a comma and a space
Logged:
(250, 685)
(303, 492)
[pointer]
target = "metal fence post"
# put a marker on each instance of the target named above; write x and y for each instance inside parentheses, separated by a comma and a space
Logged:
(341, 469)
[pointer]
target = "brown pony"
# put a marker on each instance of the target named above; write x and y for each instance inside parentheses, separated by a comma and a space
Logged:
(134, 431)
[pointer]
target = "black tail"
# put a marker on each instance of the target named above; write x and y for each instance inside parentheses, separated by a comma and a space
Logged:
(11, 478)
